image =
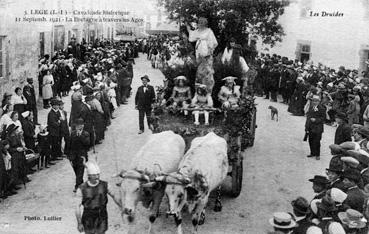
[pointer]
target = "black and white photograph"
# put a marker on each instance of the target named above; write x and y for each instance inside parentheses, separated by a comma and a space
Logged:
(184, 116)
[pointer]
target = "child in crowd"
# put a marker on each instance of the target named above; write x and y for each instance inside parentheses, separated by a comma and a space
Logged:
(44, 147)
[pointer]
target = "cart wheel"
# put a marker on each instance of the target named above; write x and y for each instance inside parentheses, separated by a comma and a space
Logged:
(253, 128)
(236, 174)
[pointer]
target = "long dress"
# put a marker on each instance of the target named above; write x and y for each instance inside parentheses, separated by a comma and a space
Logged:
(47, 91)
(3, 175)
(181, 95)
(98, 119)
(18, 161)
(230, 95)
(205, 45)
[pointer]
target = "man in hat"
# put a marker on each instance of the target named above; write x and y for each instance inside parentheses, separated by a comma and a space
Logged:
(93, 196)
(360, 136)
(353, 221)
(124, 82)
(343, 131)
(30, 95)
(79, 144)
(320, 184)
(65, 135)
(54, 128)
(282, 222)
(355, 196)
(314, 125)
(145, 98)
(300, 209)
(28, 128)
(334, 173)
(326, 212)
(274, 81)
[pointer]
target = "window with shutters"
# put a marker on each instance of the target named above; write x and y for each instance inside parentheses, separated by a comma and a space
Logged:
(303, 51)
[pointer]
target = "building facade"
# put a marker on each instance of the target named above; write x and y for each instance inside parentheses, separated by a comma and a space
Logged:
(23, 43)
(332, 32)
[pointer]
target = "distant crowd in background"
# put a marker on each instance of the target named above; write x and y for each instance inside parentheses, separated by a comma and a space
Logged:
(100, 76)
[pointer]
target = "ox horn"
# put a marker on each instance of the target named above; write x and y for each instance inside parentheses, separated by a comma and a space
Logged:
(120, 174)
(185, 180)
(148, 185)
(145, 177)
(161, 178)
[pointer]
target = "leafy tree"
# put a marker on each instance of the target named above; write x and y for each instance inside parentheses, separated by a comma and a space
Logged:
(232, 18)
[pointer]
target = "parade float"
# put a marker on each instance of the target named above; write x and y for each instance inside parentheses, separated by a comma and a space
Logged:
(237, 125)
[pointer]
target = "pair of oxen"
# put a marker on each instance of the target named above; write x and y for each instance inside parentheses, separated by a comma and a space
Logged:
(161, 167)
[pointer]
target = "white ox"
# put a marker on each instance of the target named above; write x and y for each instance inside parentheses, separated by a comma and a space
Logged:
(161, 154)
(202, 169)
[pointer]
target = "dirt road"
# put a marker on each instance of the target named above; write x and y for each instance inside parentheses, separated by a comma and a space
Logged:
(276, 170)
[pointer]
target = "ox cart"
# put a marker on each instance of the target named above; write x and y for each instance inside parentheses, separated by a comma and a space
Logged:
(237, 126)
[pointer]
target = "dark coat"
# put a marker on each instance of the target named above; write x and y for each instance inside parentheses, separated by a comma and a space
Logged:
(30, 95)
(285, 76)
(124, 77)
(43, 145)
(3, 175)
(337, 184)
(343, 134)
(274, 79)
(143, 99)
(18, 161)
(320, 195)
(29, 133)
(302, 227)
(75, 112)
(318, 125)
(86, 115)
(79, 146)
(64, 124)
(355, 199)
(313, 78)
(54, 123)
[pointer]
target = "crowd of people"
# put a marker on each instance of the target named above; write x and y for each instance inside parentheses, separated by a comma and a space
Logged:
(100, 77)
(324, 96)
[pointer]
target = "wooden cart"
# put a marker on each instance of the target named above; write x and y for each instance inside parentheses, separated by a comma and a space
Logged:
(236, 126)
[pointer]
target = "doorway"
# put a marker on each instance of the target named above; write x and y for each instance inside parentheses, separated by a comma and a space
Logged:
(42, 44)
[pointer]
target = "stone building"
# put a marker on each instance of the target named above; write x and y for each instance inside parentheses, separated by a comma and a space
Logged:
(333, 32)
(23, 43)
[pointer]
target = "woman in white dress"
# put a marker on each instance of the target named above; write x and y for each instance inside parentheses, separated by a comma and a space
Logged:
(5, 119)
(47, 88)
(18, 101)
(14, 119)
(206, 42)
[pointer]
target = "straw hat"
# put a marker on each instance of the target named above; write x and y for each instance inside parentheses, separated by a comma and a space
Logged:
(180, 78)
(351, 161)
(352, 218)
(230, 78)
(338, 195)
(282, 220)
(314, 230)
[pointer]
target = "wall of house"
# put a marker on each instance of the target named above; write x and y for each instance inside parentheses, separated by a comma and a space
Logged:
(334, 41)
